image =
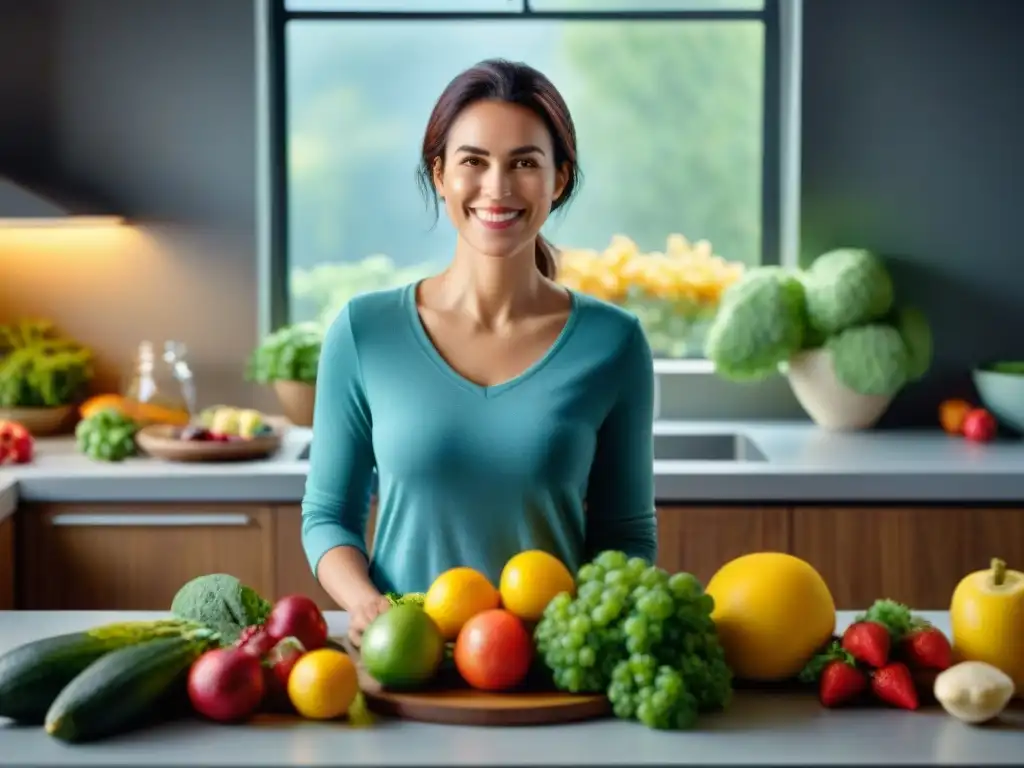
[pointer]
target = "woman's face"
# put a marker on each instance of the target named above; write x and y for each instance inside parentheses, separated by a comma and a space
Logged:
(498, 179)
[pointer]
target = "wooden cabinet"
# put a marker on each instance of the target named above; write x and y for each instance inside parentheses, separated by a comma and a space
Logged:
(136, 556)
(916, 555)
(7, 598)
(699, 540)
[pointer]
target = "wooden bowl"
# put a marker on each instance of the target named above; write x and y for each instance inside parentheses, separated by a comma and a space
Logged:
(161, 442)
(40, 422)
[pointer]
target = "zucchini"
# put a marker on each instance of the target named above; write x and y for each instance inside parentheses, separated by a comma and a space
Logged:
(125, 688)
(32, 674)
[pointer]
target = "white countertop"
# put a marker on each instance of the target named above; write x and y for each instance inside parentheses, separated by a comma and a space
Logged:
(804, 464)
(758, 728)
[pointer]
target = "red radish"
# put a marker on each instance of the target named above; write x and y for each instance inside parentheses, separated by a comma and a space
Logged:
(276, 669)
(226, 685)
(299, 617)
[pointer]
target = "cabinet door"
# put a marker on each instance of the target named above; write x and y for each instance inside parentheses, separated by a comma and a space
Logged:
(911, 554)
(293, 575)
(700, 540)
(7, 563)
(136, 556)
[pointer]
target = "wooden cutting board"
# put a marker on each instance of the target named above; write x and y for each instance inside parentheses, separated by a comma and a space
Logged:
(449, 700)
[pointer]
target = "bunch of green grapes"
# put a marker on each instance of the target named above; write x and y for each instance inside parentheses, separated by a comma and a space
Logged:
(642, 636)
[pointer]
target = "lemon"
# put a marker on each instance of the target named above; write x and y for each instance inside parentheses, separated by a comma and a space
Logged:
(456, 596)
(530, 580)
(323, 684)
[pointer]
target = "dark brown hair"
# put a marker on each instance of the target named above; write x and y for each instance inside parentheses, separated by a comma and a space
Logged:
(512, 83)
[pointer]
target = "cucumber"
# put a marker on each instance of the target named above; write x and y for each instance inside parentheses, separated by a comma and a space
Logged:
(125, 688)
(33, 674)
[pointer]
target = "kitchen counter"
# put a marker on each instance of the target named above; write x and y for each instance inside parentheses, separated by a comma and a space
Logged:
(802, 464)
(759, 727)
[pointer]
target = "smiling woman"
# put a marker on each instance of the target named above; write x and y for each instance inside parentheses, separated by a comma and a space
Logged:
(502, 412)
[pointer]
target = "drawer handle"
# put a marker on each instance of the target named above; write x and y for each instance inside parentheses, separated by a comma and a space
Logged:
(141, 520)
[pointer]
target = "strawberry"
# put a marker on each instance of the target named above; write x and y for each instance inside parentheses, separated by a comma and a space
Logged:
(840, 683)
(894, 685)
(926, 648)
(868, 642)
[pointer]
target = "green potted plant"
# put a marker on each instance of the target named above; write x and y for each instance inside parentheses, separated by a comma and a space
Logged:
(43, 374)
(834, 330)
(287, 359)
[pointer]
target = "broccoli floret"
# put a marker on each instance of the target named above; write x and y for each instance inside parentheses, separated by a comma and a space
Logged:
(870, 359)
(846, 287)
(409, 598)
(759, 325)
(221, 602)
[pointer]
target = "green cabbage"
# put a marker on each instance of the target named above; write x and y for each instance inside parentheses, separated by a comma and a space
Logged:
(917, 335)
(871, 359)
(846, 287)
(760, 323)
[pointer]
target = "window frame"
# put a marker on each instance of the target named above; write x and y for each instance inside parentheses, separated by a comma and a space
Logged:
(779, 135)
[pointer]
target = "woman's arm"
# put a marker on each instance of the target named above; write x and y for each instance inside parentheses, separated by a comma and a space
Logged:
(336, 503)
(620, 495)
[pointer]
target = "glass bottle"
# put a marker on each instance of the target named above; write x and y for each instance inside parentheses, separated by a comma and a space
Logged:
(162, 390)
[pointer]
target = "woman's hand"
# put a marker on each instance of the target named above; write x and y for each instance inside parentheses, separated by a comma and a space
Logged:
(362, 614)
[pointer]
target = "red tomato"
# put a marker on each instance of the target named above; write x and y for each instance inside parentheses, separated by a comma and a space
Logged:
(493, 651)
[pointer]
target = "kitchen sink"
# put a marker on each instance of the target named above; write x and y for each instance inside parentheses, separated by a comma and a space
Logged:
(711, 447)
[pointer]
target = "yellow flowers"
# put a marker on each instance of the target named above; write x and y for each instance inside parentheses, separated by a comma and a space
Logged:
(684, 272)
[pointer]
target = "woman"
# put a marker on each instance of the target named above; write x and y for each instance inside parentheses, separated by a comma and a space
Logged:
(501, 411)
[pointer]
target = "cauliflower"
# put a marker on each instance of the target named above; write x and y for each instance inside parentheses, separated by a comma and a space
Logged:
(871, 359)
(759, 325)
(844, 288)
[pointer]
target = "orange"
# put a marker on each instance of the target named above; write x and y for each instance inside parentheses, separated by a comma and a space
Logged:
(323, 684)
(530, 580)
(952, 414)
(456, 596)
(773, 612)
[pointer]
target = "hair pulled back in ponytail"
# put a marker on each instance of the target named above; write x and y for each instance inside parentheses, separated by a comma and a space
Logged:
(512, 83)
(544, 256)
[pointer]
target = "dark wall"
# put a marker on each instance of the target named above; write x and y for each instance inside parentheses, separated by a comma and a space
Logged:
(26, 71)
(913, 144)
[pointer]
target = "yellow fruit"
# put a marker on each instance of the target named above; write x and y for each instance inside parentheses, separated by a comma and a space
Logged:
(323, 684)
(773, 612)
(986, 618)
(456, 596)
(529, 580)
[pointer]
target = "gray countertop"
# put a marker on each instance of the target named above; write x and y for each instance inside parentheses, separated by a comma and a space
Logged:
(803, 464)
(759, 727)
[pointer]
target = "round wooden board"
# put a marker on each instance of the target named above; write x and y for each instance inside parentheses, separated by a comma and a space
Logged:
(453, 704)
(160, 442)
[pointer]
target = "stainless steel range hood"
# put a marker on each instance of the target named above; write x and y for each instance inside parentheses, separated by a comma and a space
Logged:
(35, 202)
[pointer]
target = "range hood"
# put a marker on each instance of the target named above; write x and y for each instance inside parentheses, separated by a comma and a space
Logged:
(34, 203)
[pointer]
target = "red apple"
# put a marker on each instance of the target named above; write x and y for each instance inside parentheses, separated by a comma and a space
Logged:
(979, 426)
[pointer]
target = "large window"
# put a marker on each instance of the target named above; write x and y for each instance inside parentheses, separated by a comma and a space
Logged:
(675, 103)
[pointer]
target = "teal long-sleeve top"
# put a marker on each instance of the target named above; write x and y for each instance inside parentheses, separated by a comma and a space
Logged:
(559, 458)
